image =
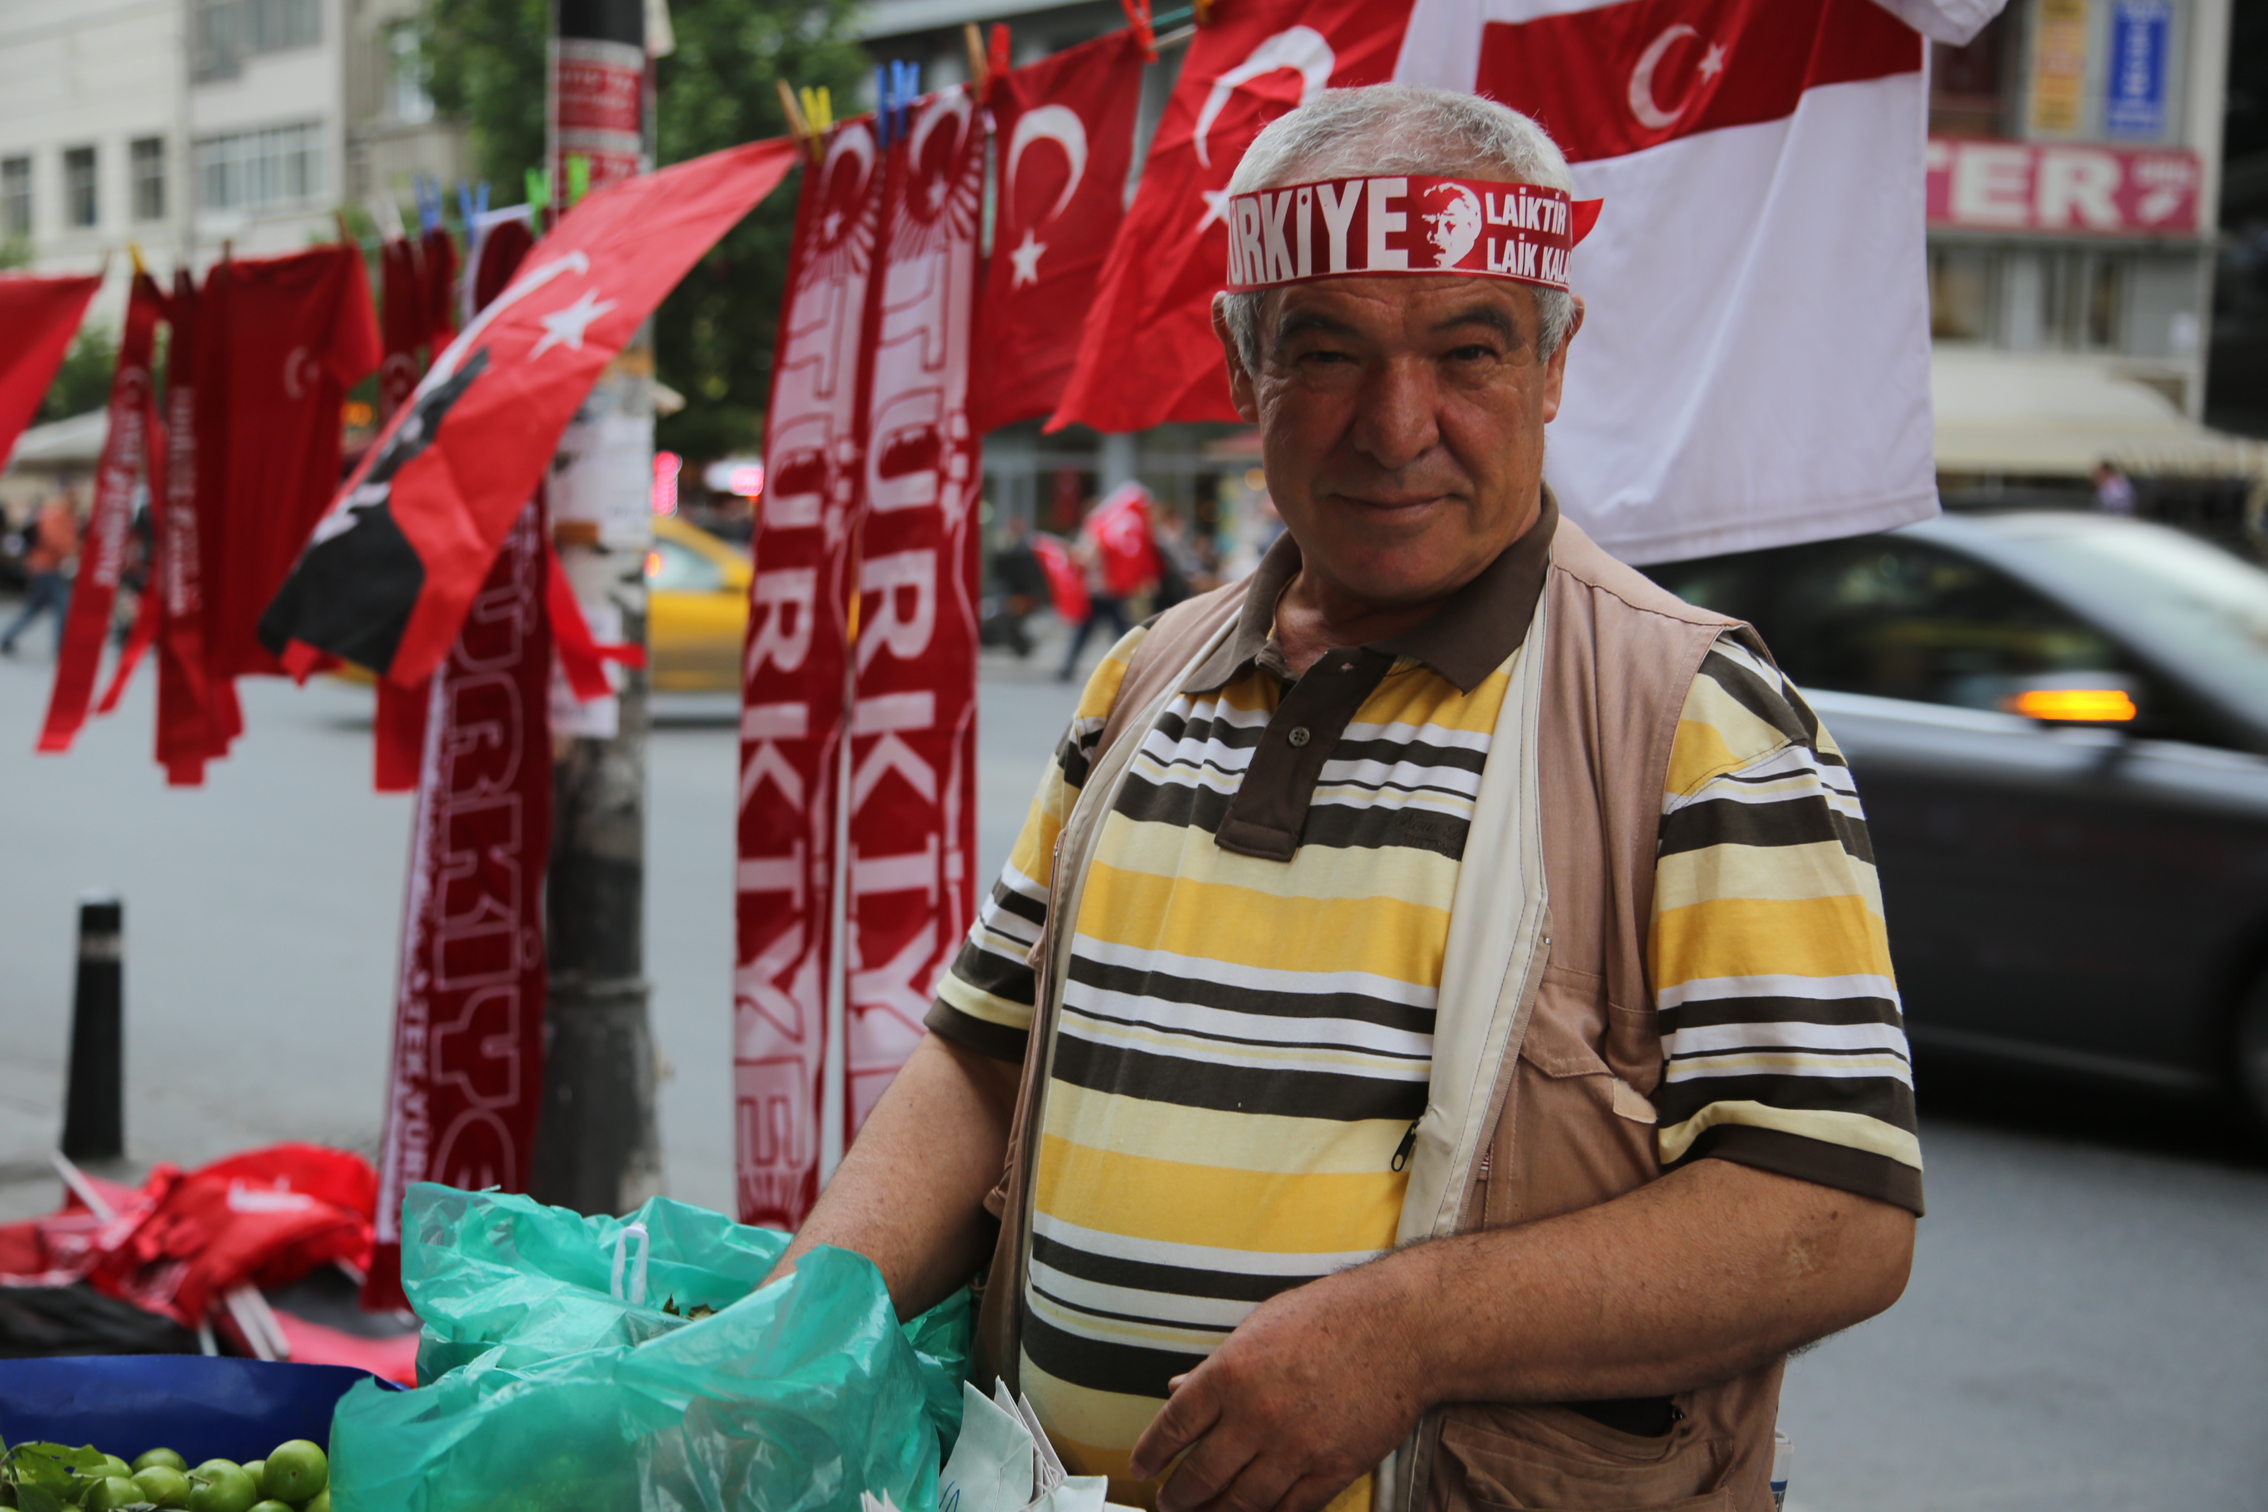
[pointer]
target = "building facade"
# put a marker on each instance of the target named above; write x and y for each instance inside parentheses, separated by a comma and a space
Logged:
(183, 127)
(2074, 171)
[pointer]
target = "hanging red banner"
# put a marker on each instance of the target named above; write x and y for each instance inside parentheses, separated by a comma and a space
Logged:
(912, 880)
(467, 1076)
(37, 318)
(1064, 130)
(132, 439)
(793, 689)
(196, 713)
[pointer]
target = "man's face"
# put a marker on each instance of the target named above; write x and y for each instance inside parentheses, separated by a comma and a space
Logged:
(1402, 424)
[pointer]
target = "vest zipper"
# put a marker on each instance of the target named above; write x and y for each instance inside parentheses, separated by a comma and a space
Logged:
(1409, 1143)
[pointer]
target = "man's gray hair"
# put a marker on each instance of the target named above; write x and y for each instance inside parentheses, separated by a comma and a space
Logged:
(1399, 128)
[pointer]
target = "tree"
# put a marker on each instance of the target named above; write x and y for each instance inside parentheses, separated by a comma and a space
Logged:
(714, 334)
(82, 383)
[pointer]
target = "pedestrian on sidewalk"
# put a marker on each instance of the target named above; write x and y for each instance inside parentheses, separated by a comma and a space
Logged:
(47, 565)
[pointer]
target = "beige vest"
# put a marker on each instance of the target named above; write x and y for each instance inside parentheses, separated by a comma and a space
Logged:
(1546, 1048)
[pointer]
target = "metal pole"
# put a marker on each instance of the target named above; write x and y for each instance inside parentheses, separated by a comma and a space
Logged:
(94, 1099)
(597, 1147)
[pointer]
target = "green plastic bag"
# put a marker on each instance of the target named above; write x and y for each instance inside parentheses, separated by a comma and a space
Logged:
(553, 1377)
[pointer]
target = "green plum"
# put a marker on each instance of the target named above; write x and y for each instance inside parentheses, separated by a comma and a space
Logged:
(219, 1486)
(110, 1493)
(162, 1485)
(165, 1457)
(294, 1472)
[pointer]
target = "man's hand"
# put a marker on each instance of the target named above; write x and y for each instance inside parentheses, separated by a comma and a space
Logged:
(1310, 1392)
(1704, 1275)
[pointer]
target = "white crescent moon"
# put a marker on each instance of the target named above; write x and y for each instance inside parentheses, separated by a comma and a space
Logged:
(953, 102)
(851, 140)
(298, 359)
(1642, 103)
(1053, 123)
(1301, 48)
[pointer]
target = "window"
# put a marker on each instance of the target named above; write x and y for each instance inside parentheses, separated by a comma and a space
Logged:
(81, 205)
(1968, 86)
(15, 196)
(223, 33)
(405, 80)
(254, 170)
(147, 158)
(216, 43)
(274, 25)
(1960, 293)
(2081, 298)
(672, 566)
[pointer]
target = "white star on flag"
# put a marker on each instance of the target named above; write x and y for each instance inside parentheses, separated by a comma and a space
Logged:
(1713, 61)
(1026, 260)
(1216, 207)
(565, 327)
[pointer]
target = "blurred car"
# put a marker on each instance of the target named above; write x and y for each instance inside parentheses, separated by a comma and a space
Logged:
(2059, 727)
(696, 608)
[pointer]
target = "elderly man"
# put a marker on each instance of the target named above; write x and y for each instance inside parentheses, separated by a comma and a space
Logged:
(1436, 1026)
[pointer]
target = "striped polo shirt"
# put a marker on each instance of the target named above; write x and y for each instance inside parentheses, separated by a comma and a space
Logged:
(1246, 1032)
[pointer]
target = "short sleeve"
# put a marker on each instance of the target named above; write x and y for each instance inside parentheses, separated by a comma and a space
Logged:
(1782, 1035)
(985, 1000)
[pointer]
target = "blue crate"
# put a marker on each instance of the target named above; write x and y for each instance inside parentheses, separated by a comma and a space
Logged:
(204, 1407)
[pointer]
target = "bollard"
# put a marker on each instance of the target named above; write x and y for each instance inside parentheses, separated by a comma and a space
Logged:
(94, 1099)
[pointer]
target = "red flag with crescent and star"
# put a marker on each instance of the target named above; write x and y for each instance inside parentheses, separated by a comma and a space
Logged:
(1148, 354)
(293, 334)
(395, 562)
(1063, 131)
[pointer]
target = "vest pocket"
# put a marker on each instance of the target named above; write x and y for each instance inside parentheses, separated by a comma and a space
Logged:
(1575, 1134)
(1549, 1459)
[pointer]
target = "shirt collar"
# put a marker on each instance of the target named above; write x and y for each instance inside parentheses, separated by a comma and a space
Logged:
(1470, 636)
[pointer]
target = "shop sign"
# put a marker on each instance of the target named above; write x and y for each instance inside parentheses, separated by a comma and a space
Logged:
(1981, 185)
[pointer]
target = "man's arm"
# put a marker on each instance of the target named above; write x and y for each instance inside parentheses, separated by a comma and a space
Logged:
(910, 1192)
(1701, 1276)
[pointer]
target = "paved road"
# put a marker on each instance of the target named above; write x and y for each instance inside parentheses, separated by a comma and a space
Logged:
(2088, 1320)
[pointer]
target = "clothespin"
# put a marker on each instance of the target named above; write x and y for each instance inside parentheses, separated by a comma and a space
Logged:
(999, 59)
(908, 82)
(578, 178)
(480, 199)
(882, 80)
(429, 203)
(1204, 10)
(1138, 17)
(135, 253)
(980, 72)
(798, 125)
(464, 205)
(346, 233)
(539, 188)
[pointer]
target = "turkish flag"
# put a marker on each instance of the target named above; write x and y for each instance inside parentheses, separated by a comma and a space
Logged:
(1148, 355)
(293, 334)
(37, 318)
(1753, 368)
(1123, 544)
(1064, 134)
(133, 438)
(395, 563)
(794, 683)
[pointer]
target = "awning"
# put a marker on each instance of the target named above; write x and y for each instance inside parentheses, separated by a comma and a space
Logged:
(76, 442)
(2049, 416)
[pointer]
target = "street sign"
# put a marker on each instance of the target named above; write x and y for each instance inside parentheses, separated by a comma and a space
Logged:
(2134, 101)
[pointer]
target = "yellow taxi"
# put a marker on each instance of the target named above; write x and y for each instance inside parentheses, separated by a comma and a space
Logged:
(696, 608)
